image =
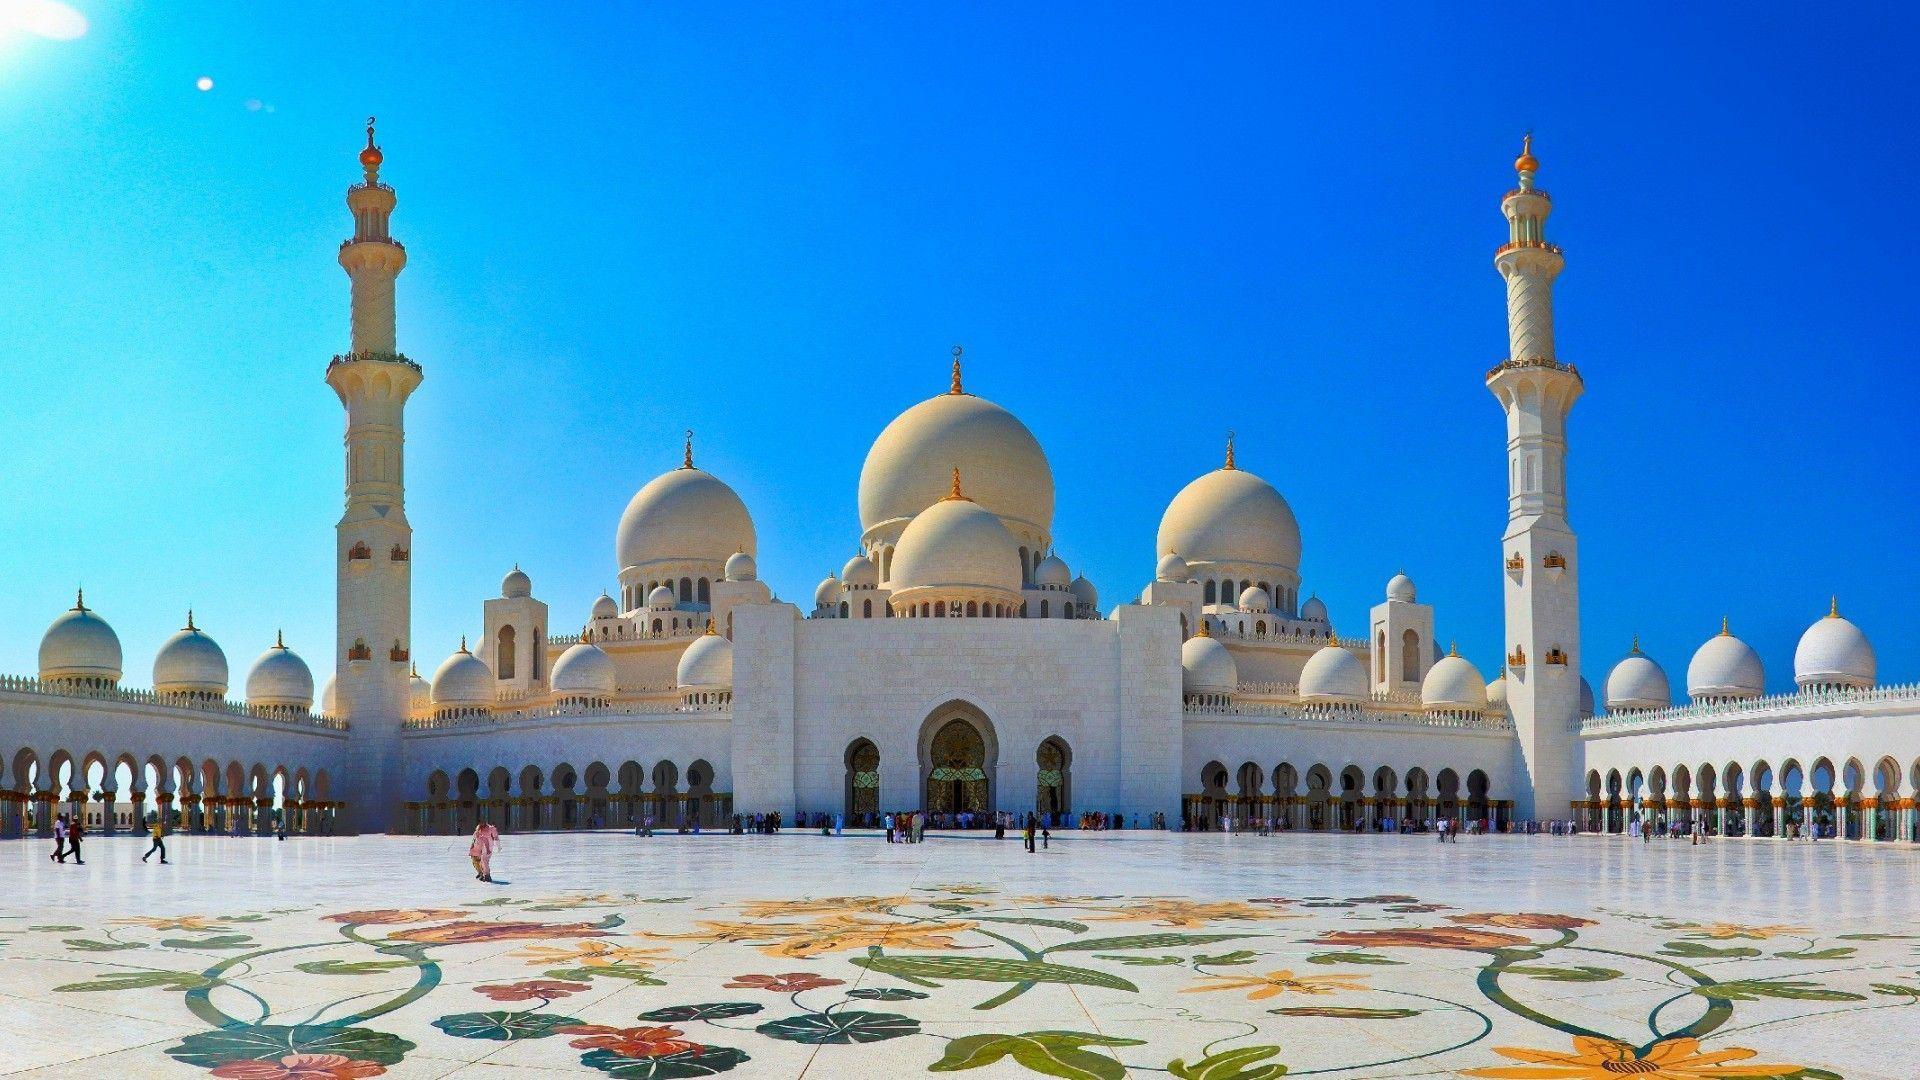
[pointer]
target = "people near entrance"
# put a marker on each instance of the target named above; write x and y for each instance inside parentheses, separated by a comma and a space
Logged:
(1033, 824)
(485, 839)
(157, 829)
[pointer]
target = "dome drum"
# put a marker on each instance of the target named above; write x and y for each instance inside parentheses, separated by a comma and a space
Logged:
(705, 671)
(906, 469)
(190, 667)
(1334, 676)
(1725, 669)
(584, 675)
(1834, 655)
(1208, 674)
(687, 516)
(279, 680)
(462, 687)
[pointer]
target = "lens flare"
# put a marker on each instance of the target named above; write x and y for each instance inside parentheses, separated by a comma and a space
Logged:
(43, 18)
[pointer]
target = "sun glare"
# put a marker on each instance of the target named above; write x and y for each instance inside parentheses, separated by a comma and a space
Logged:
(42, 18)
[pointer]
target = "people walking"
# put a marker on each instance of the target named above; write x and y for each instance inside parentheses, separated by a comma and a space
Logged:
(74, 833)
(59, 839)
(1027, 835)
(157, 829)
(485, 839)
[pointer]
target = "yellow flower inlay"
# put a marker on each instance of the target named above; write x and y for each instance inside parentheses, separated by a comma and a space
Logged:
(593, 953)
(840, 933)
(1605, 1059)
(825, 905)
(1189, 913)
(1275, 983)
(1723, 931)
(180, 922)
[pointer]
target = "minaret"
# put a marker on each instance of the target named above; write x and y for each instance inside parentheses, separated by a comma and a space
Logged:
(374, 541)
(1542, 565)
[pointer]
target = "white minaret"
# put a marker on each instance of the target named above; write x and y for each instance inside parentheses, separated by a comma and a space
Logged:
(1542, 561)
(375, 543)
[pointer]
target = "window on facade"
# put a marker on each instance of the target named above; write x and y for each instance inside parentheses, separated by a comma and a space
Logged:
(1410, 657)
(503, 653)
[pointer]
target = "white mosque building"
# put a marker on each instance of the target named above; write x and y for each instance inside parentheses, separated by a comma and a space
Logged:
(955, 664)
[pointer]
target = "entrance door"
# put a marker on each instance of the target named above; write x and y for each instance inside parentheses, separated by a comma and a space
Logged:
(957, 779)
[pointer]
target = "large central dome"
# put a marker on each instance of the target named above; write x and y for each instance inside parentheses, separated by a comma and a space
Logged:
(687, 514)
(1230, 516)
(907, 469)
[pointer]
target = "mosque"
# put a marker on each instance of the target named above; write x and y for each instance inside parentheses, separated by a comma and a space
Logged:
(1221, 690)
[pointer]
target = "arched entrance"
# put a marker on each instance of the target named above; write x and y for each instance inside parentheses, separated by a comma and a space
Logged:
(863, 782)
(1054, 785)
(958, 756)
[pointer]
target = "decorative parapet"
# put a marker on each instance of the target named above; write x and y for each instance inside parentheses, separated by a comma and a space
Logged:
(21, 684)
(1756, 710)
(1533, 362)
(371, 357)
(1366, 714)
(650, 710)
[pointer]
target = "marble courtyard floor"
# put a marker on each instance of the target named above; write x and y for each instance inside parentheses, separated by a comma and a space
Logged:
(1131, 954)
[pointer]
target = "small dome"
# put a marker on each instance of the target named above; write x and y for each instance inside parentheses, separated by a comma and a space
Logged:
(1833, 652)
(956, 542)
(1314, 610)
(1333, 674)
(80, 645)
(707, 663)
(1453, 684)
(1586, 698)
(741, 567)
(1725, 667)
(1206, 667)
(685, 515)
(1255, 599)
(330, 698)
(584, 670)
(419, 694)
(860, 573)
(464, 680)
(661, 598)
(1637, 682)
(605, 607)
(1171, 568)
(1085, 594)
(516, 585)
(1052, 573)
(827, 593)
(280, 679)
(1497, 694)
(190, 662)
(1400, 588)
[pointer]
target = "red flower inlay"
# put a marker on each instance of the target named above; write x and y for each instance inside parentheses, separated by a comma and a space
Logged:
(791, 983)
(530, 989)
(633, 1042)
(301, 1067)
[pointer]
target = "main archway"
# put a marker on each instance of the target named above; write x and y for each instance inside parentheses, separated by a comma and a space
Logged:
(958, 758)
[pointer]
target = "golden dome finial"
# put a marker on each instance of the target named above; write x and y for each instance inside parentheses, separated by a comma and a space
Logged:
(279, 639)
(955, 388)
(1526, 163)
(413, 670)
(1453, 648)
(955, 492)
(711, 632)
(371, 157)
(1725, 629)
(1635, 651)
(80, 599)
(190, 625)
(1230, 465)
(1206, 630)
(686, 462)
(463, 643)
(1833, 609)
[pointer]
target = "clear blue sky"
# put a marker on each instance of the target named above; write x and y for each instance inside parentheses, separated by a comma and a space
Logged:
(770, 224)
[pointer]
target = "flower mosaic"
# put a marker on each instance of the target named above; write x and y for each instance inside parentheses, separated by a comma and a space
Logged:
(964, 977)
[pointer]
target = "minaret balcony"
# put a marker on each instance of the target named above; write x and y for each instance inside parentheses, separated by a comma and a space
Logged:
(1533, 362)
(1533, 245)
(371, 358)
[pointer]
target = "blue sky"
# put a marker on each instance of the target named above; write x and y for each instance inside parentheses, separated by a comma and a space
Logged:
(771, 223)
